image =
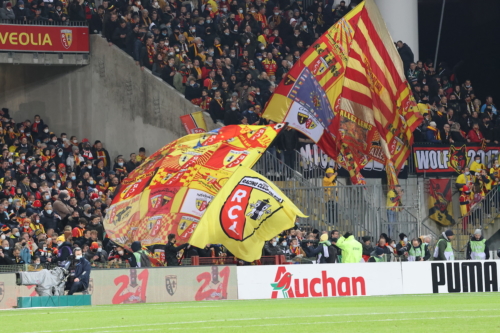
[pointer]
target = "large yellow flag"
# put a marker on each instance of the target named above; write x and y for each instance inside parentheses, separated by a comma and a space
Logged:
(170, 191)
(246, 212)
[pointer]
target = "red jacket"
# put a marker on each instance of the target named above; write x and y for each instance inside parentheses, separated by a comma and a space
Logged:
(475, 137)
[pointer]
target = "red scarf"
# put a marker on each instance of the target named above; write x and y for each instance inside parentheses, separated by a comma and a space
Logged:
(102, 156)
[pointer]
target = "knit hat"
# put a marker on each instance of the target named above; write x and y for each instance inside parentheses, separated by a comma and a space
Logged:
(366, 238)
(6, 229)
(8, 4)
(329, 170)
(75, 148)
(94, 246)
(449, 233)
(61, 239)
(379, 251)
(478, 232)
(37, 204)
(136, 246)
(20, 2)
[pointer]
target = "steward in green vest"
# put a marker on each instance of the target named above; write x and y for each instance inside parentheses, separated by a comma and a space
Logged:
(444, 250)
(352, 250)
(476, 248)
(418, 251)
(377, 255)
(140, 255)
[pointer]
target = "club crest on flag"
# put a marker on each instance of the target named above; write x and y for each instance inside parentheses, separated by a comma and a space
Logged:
(189, 156)
(259, 208)
(320, 66)
(171, 284)
(186, 226)
(66, 38)
(234, 158)
(201, 205)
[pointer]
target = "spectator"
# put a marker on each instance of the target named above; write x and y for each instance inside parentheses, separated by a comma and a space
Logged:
(7, 13)
(475, 135)
(367, 248)
(405, 53)
(377, 255)
(418, 251)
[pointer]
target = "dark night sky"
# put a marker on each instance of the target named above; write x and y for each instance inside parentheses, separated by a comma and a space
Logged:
(470, 37)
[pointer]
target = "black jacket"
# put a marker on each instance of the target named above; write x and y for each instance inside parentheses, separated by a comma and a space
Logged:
(171, 253)
(65, 250)
(48, 221)
(82, 271)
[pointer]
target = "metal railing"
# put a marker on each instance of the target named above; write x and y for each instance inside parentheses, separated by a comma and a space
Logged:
(360, 210)
(481, 216)
(46, 22)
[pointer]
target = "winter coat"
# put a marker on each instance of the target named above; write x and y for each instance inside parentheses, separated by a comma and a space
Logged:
(352, 250)
(171, 253)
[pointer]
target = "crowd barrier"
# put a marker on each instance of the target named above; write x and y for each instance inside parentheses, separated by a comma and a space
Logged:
(176, 284)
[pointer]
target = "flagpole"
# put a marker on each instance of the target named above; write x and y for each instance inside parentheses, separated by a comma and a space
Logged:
(439, 35)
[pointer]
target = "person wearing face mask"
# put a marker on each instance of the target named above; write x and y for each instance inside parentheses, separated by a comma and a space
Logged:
(476, 166)
(465, 178)
(5, 253)
(402, 246)
(93, 254)
(271, 248)
(171, 251)
(64, 251)
(283, 244)
(48, 218)
(79, 278)
(22, 13)
(61, 206)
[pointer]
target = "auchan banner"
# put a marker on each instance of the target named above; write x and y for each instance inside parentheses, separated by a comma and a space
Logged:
(43, 38)
(292, 281)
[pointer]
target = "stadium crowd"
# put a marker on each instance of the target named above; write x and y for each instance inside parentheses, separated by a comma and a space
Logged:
(55, 191)
(226, 57)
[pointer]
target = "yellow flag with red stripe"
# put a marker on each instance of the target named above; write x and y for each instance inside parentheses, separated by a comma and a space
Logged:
(246, 212)
(349, 94)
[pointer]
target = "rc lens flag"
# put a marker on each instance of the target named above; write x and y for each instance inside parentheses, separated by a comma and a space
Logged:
(348, 93)
(247, 211)
(194, 122)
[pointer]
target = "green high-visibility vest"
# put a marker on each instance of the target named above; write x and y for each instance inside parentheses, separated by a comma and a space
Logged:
(477, 246)
(477, 249)
(448, 252)
(378, 259)
(418, 252)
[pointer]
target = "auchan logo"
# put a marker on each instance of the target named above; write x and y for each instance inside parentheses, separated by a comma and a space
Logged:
(285, 286)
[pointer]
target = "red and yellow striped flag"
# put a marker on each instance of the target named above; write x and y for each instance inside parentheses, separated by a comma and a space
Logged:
(349, 94)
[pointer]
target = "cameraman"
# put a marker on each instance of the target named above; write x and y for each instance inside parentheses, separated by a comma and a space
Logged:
(323, 250)
(80, 273)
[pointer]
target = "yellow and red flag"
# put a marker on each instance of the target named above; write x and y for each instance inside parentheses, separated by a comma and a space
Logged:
(349, 94)
(246, 212)
(171, 190)
(194, 122)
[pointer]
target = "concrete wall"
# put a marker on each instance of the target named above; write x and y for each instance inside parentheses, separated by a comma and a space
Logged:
(111, 100)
